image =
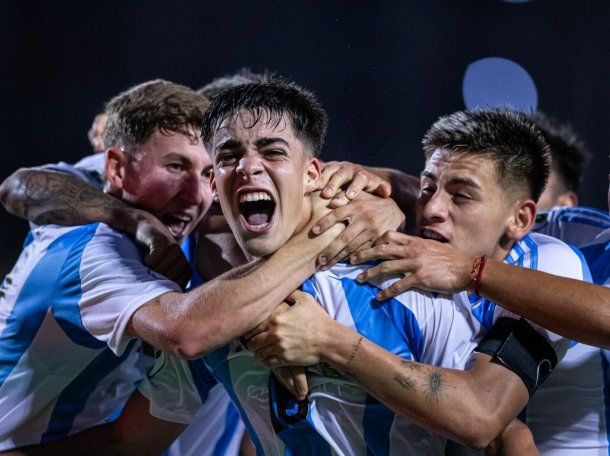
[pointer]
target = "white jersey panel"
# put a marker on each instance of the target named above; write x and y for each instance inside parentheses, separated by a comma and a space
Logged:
(340, 417)
(115, 283)
(57, 378)
(568, 399)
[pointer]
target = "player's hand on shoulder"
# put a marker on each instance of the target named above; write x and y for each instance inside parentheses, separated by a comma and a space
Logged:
(366, 218)
(161, 252)
(353, 178)
(425, 264)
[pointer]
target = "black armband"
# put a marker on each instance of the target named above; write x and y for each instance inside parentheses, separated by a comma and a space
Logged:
(520, 348)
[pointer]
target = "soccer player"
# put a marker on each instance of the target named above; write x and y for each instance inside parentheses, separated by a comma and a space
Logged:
(262, 143)
(472, 198)
(79, 296)
(558, 424)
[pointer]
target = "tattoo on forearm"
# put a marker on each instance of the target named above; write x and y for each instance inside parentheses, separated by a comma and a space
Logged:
(404, 381)
(54, 197)
(437, 385)
(352, 356)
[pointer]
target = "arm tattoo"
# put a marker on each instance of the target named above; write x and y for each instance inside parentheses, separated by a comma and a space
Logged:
(436, 388)
(55, 197)
(404, 381)
(353, 354)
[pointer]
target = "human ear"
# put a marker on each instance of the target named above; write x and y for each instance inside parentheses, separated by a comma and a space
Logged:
(522, 219)
(313, 176)
(114, 168)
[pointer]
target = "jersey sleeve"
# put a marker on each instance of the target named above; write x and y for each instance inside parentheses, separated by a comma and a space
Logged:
(173, 390)
(578, 226)
(114, 284)
(552, 256)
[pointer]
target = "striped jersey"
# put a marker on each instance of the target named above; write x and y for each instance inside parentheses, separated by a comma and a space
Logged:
(339, 417)
(66, 363)
(216, 429)
(578, 399)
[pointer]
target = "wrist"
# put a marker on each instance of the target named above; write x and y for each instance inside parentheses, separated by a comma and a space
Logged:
(127, 219)
(339, 346)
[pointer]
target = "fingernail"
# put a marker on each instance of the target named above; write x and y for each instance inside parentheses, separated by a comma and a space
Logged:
(353, 259)
(351, 193)
(327, 191)
(322, 260)
(360, 278)
(316, 229)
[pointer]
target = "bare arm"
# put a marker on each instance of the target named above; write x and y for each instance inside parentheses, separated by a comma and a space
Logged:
(574, 309)
(515, 440)
(50, 197)
(194, 323)
(471, 407)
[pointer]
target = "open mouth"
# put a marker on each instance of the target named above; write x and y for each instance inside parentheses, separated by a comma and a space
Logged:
(427, 234)
(256, 210)
(177, 223)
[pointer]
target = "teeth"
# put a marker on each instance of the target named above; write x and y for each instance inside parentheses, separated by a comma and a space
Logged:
(433, 235)
(254, 196)
(184, 218)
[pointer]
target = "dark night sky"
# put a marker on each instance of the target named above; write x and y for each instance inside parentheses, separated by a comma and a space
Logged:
(384, 70)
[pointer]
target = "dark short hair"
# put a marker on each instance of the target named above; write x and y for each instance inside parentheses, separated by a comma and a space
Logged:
(274, 98)
(241, 76)
(508, 137)
(569, 154)
(135, 114)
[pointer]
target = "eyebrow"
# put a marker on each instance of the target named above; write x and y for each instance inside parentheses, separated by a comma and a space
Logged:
(176, 156)
(464, 181)
(264, 142)
(229, 144)
(454, 181)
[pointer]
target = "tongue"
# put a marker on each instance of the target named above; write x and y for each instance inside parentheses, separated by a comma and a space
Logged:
(258, 218)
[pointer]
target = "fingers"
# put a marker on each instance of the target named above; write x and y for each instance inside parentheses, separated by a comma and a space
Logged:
(340, 177)
(341, 214)
(384, 189)
(258, 339)
(300, 381)
(394, 237)
(172, 263)
(349, 239)
(380, 252)
(386, 268)
(346, 248)
(359, 182)
(397, 288)
(285, 377)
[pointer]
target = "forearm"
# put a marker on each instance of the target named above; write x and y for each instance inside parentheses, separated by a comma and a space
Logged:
(52, 197)
(467, 406)
(192, 324)
(515, 440)
(572, 308)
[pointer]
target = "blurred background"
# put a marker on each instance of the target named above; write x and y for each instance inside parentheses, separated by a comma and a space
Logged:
(383, 70)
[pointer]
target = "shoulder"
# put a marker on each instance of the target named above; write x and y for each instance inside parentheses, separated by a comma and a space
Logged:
(551, 255)
(575, 225)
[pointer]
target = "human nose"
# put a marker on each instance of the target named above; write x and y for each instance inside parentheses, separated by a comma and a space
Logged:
(249, 167)
(435, 208)
(192, 192)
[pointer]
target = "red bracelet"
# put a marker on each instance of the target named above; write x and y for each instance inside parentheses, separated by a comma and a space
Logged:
(477, 271)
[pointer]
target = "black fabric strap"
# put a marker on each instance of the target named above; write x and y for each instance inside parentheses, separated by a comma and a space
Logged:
(520, 348)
